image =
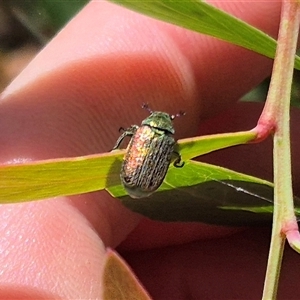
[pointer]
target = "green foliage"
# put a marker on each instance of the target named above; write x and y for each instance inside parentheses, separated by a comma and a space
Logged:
(69, 176)
(200, 192)
(43, 18)
(204, 18)
(197, 192)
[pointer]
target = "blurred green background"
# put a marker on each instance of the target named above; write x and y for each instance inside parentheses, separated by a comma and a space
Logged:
(27, 25)
(34, 21)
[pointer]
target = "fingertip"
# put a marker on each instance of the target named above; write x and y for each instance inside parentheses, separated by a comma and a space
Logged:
(150, 61)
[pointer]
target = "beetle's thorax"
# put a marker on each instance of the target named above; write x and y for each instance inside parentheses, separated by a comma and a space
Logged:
(160, 120)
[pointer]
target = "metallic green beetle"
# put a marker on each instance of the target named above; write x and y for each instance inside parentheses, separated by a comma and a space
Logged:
(149, 153)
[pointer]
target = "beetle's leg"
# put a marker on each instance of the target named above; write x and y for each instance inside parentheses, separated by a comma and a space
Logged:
(127, 132)
(119, 140)
(177, 162)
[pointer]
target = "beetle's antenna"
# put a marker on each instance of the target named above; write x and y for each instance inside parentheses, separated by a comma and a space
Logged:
(146, 106)
(179, 114)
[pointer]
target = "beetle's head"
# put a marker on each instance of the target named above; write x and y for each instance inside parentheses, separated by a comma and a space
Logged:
(160, 120)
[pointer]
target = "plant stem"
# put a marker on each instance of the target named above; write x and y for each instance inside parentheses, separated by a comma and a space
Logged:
(276, 115)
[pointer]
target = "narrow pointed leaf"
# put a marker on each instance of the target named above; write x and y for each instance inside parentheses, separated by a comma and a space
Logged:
(197, 192)
(57, 177)
(77, 175)
(204, 18)
(196, 146)
(200, 192)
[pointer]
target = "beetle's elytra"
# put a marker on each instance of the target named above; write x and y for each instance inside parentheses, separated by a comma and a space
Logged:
(149, 153)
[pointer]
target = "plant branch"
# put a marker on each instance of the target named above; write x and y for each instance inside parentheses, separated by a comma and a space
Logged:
(275, 117)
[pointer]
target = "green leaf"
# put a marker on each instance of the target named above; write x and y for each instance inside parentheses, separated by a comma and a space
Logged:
(57, 177)
(200, 192)
(197, 192)
(196, 146)
(201, 17)
(71, 176)
(255, 209)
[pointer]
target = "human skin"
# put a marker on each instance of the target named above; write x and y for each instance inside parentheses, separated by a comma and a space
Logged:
(87, 82)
